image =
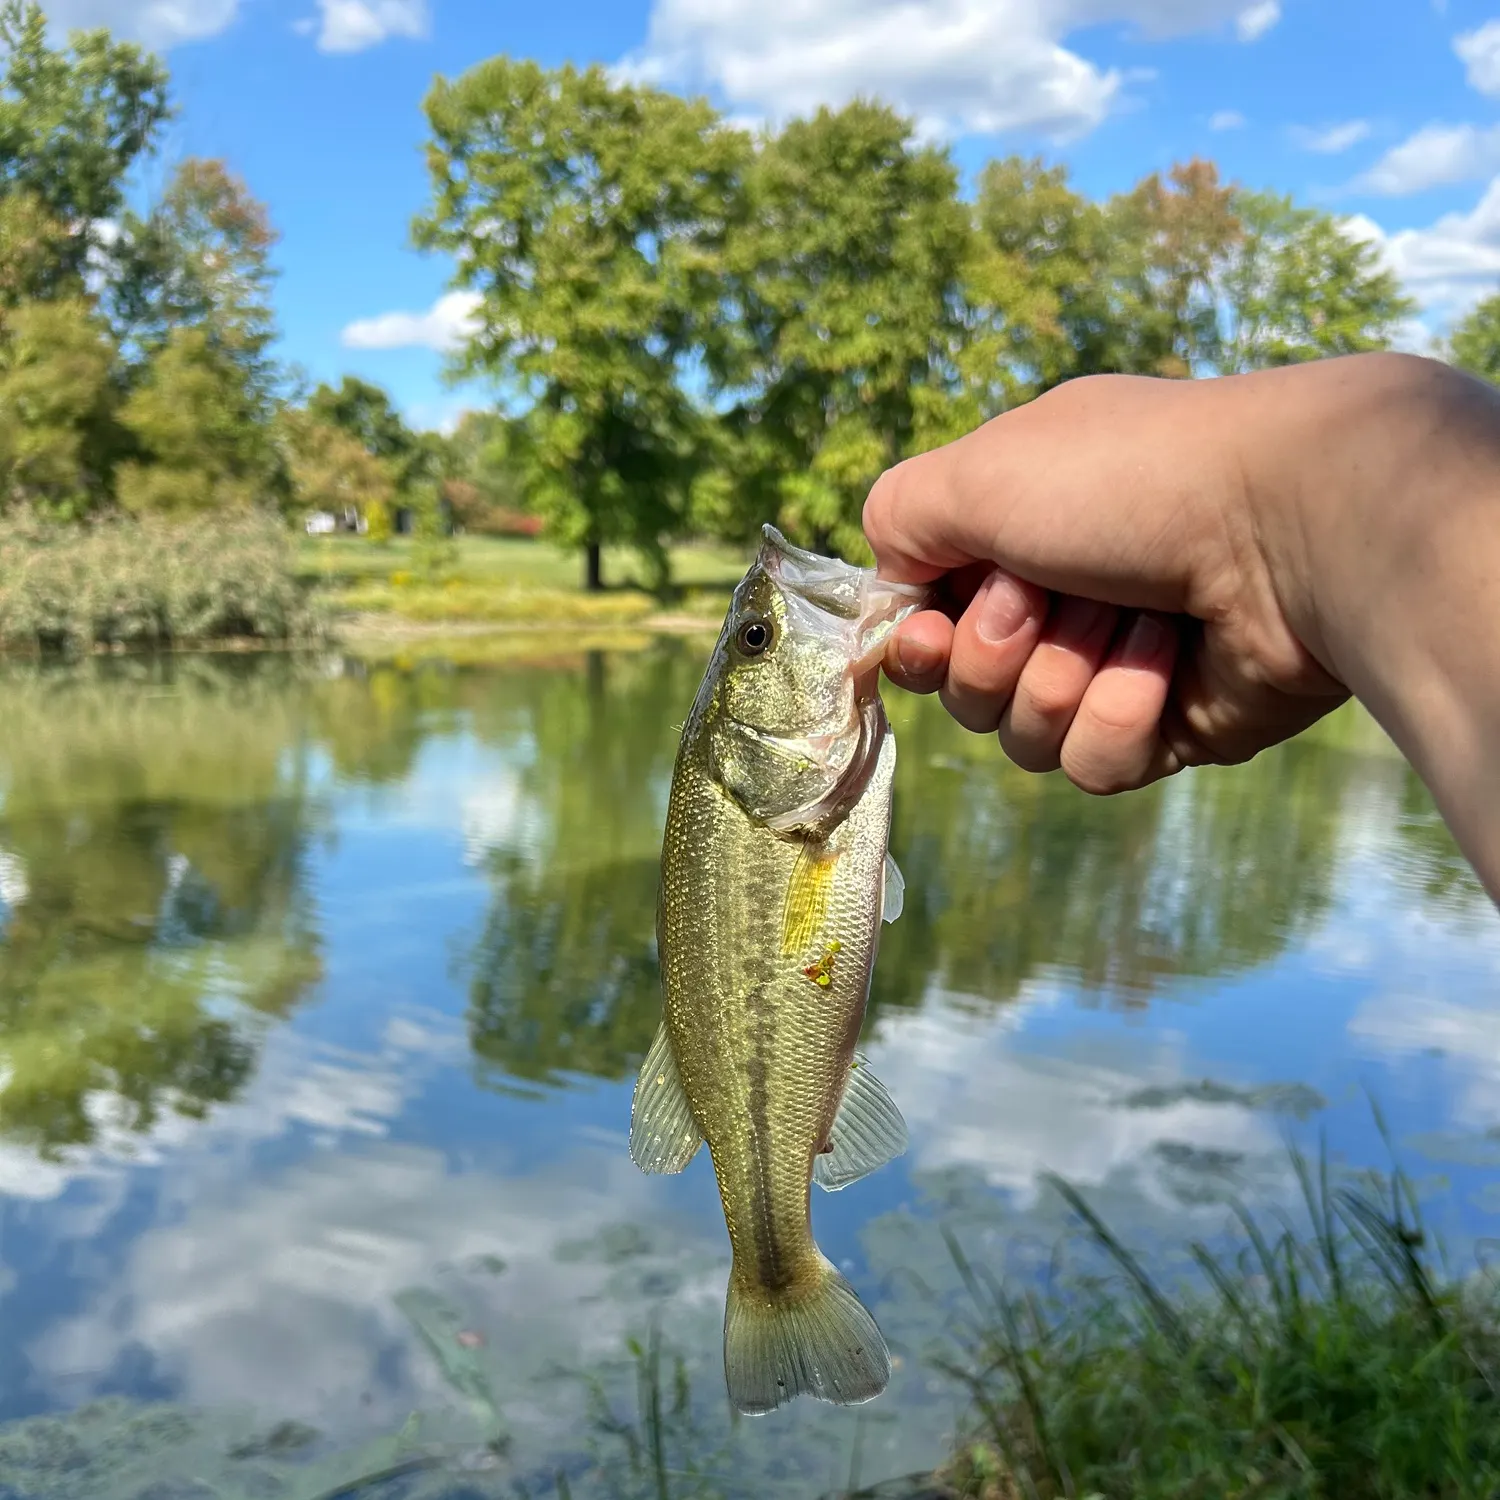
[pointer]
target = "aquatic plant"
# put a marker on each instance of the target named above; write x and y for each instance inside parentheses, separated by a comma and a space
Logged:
(1332, 1357)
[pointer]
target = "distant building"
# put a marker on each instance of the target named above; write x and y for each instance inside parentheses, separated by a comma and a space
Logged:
(325, 522)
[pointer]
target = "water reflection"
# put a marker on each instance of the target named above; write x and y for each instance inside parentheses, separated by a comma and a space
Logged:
(156, 825)
(322, 984)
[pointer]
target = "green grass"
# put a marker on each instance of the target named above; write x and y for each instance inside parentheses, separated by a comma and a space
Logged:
(506, 582)
(515, 561)
(1331, 1358)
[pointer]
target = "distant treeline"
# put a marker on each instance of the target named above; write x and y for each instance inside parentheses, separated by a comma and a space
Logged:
(696, 328)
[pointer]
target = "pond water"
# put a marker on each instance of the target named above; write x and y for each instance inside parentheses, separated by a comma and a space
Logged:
(322, 987)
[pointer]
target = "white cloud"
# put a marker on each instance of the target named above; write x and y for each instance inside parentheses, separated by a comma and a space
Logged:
(1435, 155)
(353, 25)
(1226, 119)
(443, 326)
(974, 1099)
(1479, 51)
(1451, 263)
(158, 23)
(1256, 20)
(959, 66)
(1329, 140)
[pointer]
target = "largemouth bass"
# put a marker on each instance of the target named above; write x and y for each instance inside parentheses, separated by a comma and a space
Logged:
(775, 876)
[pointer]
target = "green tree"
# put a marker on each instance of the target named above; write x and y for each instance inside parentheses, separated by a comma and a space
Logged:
(201, 438)
(74, 120)
(1475, 342)
(34, 253)
(332, 470)
(57, 399)
(367, 414)
(202, 260)
(844, 269)
(1299, 287)
(1038, 291)
(587, 215)
(1170, 243)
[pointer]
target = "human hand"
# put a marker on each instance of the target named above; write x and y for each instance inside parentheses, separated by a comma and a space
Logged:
(1112, 605)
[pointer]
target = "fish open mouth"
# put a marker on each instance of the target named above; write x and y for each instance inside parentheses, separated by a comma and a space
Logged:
(873, 606)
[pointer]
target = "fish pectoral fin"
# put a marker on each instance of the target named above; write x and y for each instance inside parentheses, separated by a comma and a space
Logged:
(807, 897)
(868, 1131)
(664, 1136)
(893, 894)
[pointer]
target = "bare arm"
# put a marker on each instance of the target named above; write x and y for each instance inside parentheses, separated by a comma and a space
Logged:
(1151, 574)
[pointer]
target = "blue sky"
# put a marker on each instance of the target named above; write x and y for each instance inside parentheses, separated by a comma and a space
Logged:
(1387, 111)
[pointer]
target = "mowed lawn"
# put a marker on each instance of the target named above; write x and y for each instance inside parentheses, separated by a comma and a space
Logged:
(506, 580)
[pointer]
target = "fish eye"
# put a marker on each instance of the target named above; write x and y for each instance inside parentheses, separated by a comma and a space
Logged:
(754, 637)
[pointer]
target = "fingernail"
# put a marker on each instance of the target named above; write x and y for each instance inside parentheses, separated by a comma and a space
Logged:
(1145, 643)
(1003, 610)
(917, 658)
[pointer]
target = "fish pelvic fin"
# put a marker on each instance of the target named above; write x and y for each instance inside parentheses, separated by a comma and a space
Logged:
(814, 1338)
(807, 897)
(664, 1136)
(868, 1131)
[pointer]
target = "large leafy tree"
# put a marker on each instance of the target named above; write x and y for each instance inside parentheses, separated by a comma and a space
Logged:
(367, 414)
(844, 269)
(1170, 241)
(202, 259)
(587, 215)
(1039, 290)
(332, 470)
(1474, 344)
(73, 121)
(201, 441)
(57, 399)
(1299, 286)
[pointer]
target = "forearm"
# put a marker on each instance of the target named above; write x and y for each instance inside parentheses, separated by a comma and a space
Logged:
(1382, 507)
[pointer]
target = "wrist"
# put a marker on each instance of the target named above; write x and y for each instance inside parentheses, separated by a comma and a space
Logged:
(1379, 509)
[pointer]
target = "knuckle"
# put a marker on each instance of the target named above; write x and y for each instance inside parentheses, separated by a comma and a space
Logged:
(976, 712)
(1099, 770)
(1048, 695)
(1028, 753)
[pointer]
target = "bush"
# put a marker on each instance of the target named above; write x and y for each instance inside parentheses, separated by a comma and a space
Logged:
(148, 583)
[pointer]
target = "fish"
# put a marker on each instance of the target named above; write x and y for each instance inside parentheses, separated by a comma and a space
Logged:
(775, 877)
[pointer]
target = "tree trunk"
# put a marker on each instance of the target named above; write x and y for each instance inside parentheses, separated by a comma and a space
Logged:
(593, 572)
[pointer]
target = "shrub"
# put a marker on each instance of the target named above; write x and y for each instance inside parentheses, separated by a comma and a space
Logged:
(148, 583)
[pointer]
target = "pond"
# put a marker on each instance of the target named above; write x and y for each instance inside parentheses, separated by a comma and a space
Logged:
(322, 987)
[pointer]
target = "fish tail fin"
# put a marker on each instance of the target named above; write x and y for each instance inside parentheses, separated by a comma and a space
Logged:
(814, 1338)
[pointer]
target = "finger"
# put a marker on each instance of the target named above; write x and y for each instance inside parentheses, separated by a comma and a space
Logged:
(916, 656)
(990, 645)
(1054, 681)
(1115, 743)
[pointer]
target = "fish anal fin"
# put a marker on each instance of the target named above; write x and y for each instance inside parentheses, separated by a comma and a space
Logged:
(815, 1338)
(868, 1131)
(807, 897)
(664, 1136)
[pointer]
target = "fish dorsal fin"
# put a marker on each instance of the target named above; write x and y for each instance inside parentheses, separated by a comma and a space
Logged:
(893, 897)
(664, 1136)
(867, 1132)
(807, 896)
